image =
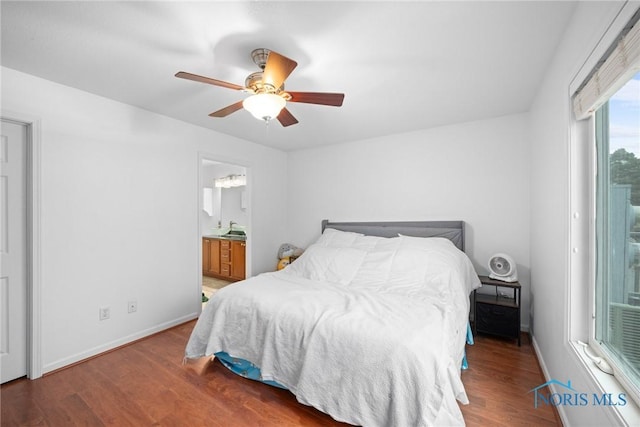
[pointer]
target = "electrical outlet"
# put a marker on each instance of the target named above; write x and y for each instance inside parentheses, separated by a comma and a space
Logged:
(105, 313)
(132, 306)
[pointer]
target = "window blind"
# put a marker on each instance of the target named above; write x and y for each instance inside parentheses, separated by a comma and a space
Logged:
(616, 68)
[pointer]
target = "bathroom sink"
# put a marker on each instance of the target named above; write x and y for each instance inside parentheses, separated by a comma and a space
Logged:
(228, 233)
(219, 231)
(233, 237)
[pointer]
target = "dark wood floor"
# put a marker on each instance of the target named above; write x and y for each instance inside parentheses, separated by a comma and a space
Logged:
(145, 384)
(498, 383)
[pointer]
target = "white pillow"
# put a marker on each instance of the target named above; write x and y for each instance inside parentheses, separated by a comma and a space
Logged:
(337, 239)
(443, 256)
(426, 242)
(412, 266)
(368, 243)
(376, 266)
(327, 264)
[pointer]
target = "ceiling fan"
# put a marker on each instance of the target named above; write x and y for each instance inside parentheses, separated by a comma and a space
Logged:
(268, 99)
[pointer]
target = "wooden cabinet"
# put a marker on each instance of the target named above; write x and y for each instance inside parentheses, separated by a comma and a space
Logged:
(210, 257)
(206, 251)
(214, 257)
(238, 260)
(223, 258)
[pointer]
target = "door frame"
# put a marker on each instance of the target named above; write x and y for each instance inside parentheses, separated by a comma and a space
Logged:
(33, 237)
(230, 161)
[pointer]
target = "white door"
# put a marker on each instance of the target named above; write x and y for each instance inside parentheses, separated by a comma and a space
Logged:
(13, 268)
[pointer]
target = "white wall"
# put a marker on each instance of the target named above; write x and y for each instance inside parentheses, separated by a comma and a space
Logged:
(119, 214)
(477, 172)
(551, 123)
(231, 201)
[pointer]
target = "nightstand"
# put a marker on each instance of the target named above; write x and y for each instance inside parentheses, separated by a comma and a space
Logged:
(497, 314)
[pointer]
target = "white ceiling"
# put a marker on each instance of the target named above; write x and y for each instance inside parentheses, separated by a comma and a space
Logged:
(403, 66)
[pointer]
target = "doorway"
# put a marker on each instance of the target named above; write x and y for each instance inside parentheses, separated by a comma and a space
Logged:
(224, 224)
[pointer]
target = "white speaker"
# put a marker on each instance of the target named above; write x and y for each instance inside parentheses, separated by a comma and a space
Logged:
(503, 267)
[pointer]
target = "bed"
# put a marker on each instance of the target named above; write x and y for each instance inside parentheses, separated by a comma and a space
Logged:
(368, 325)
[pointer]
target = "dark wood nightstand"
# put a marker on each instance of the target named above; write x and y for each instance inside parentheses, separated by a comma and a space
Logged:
(497, 314)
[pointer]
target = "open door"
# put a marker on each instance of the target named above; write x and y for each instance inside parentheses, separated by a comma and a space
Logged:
(13, 248)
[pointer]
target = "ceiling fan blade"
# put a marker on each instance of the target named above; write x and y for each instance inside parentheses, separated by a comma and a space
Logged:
(286, 118)
(322, 98)
(224, 112)
(277, 69)
(202, 79)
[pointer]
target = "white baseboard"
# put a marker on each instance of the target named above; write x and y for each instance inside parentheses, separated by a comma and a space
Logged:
(545, 372)
(61, 363)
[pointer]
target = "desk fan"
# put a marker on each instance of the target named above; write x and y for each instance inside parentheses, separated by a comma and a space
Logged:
(503, 267)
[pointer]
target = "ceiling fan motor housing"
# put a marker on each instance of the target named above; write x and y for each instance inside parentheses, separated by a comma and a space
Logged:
(259, 57)
(254, 82)
(503, 267)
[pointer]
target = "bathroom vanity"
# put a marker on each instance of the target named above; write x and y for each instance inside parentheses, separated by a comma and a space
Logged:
(224, 257)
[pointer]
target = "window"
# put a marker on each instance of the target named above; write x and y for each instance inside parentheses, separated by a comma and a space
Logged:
(617, 291)
(610, 96)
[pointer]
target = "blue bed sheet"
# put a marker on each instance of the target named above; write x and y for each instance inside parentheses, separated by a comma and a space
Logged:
(465, 364)
(244, 368)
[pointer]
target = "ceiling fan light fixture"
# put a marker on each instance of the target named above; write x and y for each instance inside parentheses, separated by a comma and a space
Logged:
(264, 106)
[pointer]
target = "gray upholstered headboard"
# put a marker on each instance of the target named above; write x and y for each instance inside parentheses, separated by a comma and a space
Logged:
(452, 230)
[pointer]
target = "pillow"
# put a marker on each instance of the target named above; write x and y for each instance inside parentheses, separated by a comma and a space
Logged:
(416, 266)
(426, 242)
(327, 264)
(367, 243)
(337, 239)
(376, 266)
(444, 255)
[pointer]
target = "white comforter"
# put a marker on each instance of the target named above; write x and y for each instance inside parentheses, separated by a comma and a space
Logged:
(374, 350)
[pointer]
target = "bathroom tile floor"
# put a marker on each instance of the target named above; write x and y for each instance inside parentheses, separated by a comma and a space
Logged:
(210, 285)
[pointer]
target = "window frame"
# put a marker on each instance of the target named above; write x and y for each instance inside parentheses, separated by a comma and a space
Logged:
(599, 124)
(582, 267)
